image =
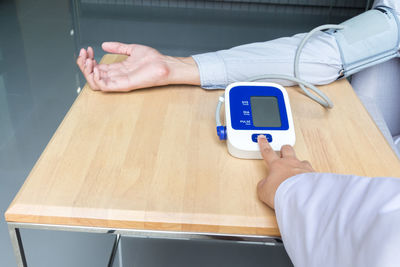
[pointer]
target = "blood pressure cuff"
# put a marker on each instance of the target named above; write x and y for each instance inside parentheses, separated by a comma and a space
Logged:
(368, 39)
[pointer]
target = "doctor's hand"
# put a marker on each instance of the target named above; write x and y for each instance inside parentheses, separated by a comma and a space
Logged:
(280, 168)
(144, 67)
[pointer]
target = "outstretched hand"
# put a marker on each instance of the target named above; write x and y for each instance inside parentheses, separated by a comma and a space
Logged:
(280, 169)
(144, 67)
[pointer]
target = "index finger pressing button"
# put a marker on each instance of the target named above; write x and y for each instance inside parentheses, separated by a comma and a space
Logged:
(266, 150)
(254, 137)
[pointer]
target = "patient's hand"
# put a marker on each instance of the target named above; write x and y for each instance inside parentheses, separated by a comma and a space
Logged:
(144, 67)
(280, 169)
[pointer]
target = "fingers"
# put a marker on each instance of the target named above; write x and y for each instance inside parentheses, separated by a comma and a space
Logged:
(88, 67)
(88, 73)
(86, 64)
(307, 164)
(260, 189)
(119, 66)
(267, 152)
(81, 59)
(90, 52)
(99, 79)
(288, 152)
(117, 48)
(108, 83)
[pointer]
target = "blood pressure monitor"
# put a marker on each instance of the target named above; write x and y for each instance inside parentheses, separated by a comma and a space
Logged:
(257, 108)
(253, 108)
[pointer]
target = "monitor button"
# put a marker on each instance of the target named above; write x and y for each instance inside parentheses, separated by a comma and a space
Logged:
(254, 137)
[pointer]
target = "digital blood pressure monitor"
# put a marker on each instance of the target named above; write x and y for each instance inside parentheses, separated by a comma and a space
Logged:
(257, 108)
(253, 108)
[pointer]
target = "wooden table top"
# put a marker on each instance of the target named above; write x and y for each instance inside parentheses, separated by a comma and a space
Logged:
(151, 159)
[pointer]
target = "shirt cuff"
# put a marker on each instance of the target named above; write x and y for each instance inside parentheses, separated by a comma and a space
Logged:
(212, 70)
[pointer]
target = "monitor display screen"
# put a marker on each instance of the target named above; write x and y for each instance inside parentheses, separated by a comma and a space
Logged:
(265, 111)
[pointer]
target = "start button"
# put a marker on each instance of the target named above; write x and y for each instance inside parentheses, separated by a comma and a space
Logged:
(268, 136)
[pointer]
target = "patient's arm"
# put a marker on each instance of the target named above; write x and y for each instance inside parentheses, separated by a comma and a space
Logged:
(144, 67)
(320, 63)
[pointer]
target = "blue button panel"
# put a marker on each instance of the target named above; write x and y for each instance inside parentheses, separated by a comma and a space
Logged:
(268, 136)
(240, 106)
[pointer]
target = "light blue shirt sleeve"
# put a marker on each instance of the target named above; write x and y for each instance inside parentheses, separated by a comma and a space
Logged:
(320, 61)
(335, 220)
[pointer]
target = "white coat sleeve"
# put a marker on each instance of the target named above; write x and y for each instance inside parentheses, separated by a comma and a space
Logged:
(340, 220)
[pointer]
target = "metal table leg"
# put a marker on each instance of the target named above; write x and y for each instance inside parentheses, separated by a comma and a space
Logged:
(114, 250)
(17, 245)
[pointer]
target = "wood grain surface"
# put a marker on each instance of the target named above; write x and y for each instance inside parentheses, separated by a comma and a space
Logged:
(151, 159)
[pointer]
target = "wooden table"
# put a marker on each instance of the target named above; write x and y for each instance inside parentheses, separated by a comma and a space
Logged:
(150, 161)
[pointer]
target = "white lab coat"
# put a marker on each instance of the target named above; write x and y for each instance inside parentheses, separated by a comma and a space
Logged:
(340, 220)
(325, 219)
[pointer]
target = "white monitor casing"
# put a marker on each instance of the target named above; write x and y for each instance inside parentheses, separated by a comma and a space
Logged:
(240, 143)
